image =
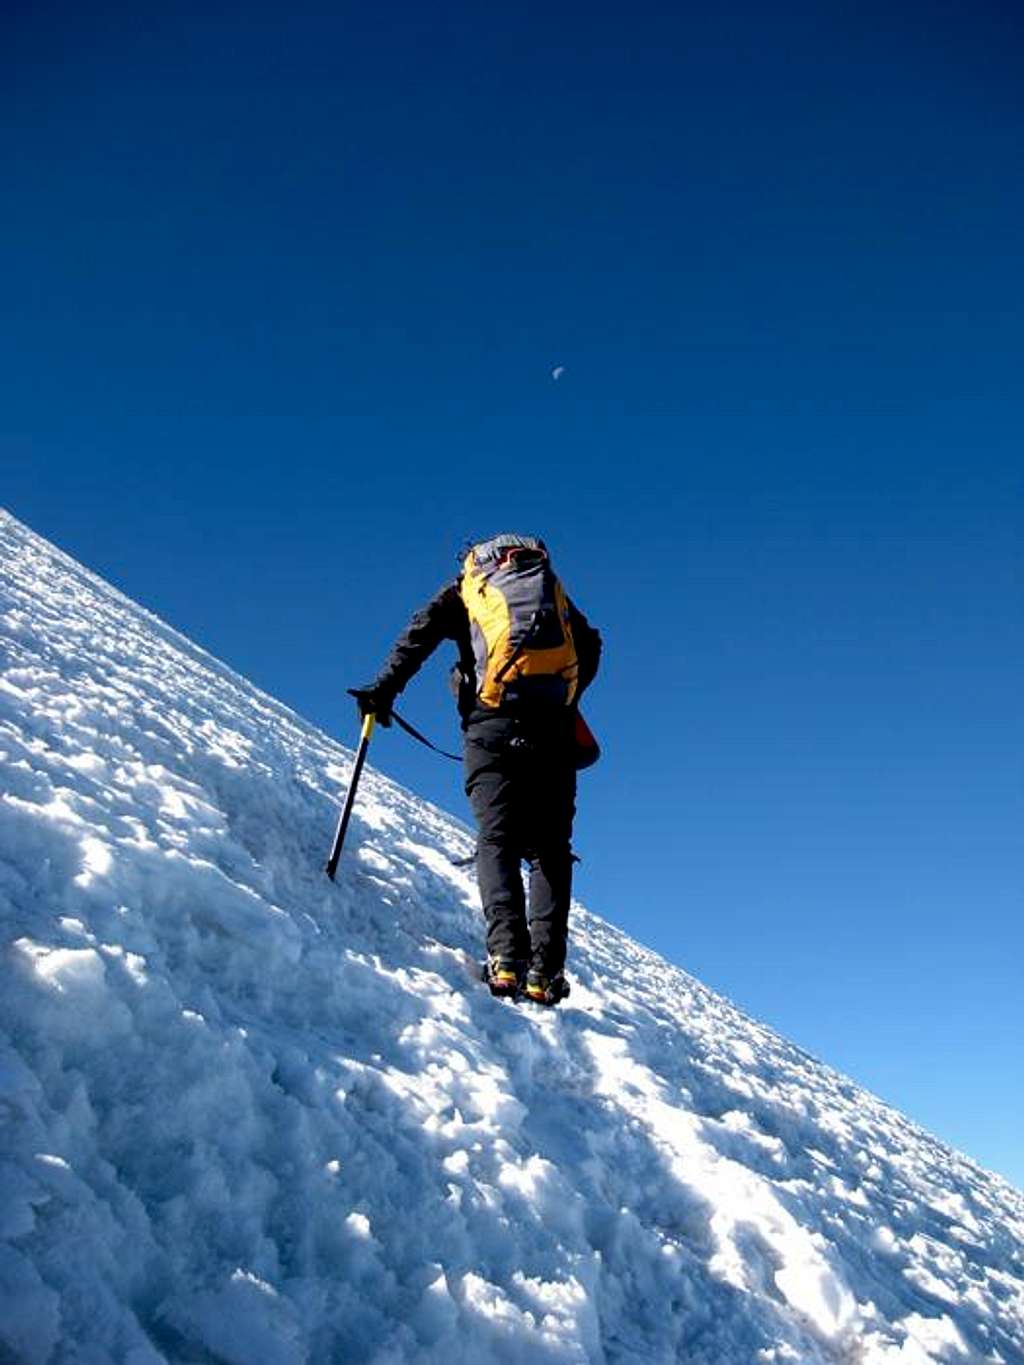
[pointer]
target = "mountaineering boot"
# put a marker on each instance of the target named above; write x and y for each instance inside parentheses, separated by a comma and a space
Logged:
(545, 990)
(503, 975)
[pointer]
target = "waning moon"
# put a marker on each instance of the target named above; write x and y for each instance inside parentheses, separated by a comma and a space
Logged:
(558, 371)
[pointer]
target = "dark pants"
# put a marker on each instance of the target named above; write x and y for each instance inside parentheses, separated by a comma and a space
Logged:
(521, 783)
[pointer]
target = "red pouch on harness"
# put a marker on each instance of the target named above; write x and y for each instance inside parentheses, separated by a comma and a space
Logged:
(588, 751)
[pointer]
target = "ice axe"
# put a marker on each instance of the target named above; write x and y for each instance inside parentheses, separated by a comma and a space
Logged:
(350, 795)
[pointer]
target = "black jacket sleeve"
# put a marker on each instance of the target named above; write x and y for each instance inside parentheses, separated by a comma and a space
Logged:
(588, 648)
(443, 618)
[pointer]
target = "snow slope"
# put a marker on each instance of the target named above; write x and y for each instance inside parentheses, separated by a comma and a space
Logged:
(251, 1117)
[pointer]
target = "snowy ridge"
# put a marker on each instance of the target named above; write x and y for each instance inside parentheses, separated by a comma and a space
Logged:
(249, 1117)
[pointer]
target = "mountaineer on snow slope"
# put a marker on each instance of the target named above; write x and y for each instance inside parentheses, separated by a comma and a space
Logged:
(525, 656)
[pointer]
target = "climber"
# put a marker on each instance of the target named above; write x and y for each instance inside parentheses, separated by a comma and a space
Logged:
(525, 657)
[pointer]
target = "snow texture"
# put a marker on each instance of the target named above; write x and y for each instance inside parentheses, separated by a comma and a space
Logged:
(255, 1118)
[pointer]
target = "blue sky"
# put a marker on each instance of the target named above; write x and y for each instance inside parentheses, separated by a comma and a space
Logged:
(285, 289)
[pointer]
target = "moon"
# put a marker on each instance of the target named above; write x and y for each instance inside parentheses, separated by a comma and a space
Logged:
(558, 371)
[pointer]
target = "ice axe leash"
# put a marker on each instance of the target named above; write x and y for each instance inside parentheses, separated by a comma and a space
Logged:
(350, 795)
(415, 734)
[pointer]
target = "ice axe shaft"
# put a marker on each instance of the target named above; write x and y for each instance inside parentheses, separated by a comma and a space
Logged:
(350, 795)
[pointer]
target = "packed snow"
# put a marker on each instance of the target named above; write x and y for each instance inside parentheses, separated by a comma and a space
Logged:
(252, 1117)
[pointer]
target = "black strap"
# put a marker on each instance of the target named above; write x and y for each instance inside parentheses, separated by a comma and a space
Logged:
(411, 730)
(513, 658)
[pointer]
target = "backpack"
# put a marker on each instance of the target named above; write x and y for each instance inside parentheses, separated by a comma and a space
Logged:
(519, 624)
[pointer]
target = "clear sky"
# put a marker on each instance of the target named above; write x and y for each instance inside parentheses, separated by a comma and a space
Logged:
(284, 291)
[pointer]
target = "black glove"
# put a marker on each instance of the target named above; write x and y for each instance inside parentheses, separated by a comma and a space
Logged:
(374, 701)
